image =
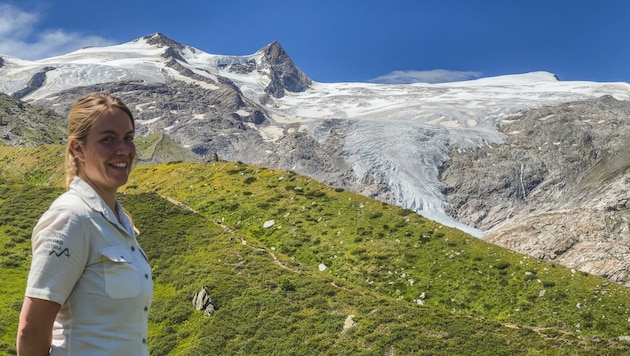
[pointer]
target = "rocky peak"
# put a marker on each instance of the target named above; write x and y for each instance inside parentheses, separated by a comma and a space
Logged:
(274, 53)
(173, 48)
(285, 75)
(160, 40)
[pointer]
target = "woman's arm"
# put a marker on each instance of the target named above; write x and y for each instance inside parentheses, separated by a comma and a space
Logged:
(35, 326)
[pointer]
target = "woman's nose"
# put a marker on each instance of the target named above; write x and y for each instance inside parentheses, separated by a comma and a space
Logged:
(124, 147)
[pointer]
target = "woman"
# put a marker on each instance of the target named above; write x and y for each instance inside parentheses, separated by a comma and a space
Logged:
(89, 288)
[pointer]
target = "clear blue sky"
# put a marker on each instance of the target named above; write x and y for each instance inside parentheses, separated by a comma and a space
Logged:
(350, 40)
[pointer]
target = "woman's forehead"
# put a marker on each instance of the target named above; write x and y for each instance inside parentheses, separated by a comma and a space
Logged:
(113, 119)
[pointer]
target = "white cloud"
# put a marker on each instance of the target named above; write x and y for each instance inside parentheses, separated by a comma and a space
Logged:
(18, 37)
(14, 22)
(426, 76)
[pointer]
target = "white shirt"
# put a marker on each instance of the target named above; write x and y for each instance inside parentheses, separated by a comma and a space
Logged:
(92, 265)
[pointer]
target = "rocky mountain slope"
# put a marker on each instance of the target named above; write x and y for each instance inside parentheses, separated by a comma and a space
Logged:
(558, 188)
(22, 124)
(483, 156)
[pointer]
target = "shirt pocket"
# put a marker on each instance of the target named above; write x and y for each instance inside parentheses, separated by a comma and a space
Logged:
(122, 278)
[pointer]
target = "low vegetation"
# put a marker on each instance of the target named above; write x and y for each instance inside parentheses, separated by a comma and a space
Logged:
(297, 267)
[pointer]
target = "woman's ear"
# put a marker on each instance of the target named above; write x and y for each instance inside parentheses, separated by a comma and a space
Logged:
(77, 149)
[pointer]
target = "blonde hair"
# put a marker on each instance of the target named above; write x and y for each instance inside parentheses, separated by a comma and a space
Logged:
(81, 118)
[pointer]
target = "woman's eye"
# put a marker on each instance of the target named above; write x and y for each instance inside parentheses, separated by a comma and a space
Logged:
(129, 138)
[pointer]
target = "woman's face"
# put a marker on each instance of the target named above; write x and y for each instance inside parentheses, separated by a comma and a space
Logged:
(106, 157)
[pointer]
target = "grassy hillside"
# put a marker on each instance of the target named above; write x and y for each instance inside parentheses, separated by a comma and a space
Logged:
(161, 149)
(335, 273)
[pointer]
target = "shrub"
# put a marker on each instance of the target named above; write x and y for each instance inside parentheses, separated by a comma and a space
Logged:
(376, 215)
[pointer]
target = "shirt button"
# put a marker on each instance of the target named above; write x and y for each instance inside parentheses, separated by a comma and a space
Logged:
(133, 248)
(146, 308)
(144, 341)
(146, 276)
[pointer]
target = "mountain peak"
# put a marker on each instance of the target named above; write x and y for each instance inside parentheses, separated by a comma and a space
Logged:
(273, 47)
(273, 53)
(173, 48)
(160, 40)
(284, 73)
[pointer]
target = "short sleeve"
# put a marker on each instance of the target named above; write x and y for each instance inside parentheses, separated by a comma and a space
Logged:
(60, 254)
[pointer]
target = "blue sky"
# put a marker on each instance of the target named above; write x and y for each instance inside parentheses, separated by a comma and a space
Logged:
(350, 40)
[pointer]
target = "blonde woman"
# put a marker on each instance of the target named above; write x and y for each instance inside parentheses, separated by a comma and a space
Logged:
(89, 289)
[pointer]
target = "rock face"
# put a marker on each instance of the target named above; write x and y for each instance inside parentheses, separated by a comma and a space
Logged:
(557, 189)
(35, 83)
(187, 112)
(21, 124)
(285, 75)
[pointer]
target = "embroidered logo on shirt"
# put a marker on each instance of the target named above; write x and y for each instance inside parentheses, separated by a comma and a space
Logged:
(65, 252)
(54, 243)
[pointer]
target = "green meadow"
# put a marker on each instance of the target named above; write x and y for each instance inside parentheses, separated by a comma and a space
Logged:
(300, 268)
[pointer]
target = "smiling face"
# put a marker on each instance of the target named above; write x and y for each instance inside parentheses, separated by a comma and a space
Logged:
(106, 156)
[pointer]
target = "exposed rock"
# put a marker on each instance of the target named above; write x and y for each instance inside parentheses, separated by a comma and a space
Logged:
(203, 301)
(35, 83)
(243, 68)
(557, 189)
(174, 64)
(21, 124)
(349, 323)
(285, 75)
(185, 112)
(160, 40)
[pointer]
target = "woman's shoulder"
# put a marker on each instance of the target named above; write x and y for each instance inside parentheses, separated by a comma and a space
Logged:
(70, 202)
(65, 216)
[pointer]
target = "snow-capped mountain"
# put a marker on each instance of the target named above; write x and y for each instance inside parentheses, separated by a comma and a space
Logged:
(390, 142)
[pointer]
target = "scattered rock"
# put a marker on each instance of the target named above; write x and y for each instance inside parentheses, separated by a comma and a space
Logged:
(349, 323)
(203, 301)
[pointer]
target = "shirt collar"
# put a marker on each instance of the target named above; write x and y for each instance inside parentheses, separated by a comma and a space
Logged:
(87, 193)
